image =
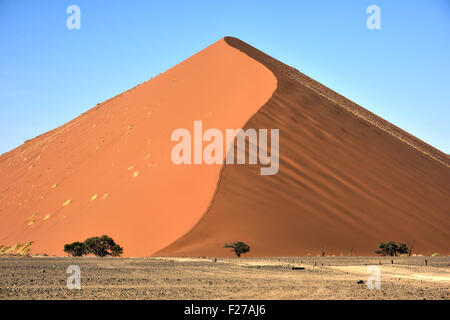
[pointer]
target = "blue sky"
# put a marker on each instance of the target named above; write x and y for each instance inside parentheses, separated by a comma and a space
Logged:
(50, 74)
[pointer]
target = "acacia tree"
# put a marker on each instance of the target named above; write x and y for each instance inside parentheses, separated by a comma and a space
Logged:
(238, 247)
(99, 246)
(102, 246)
(75, 249)
(391, 248)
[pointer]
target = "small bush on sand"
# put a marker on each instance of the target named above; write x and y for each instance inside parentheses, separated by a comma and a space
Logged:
(391, 248)
(436, 254)
(238, 247)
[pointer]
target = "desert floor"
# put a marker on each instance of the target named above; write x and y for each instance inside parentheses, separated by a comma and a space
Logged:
(223, 278)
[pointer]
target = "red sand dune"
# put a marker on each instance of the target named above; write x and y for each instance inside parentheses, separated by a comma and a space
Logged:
(347, 180)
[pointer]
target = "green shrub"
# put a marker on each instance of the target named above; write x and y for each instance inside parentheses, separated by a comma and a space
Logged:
(75, 249)
(98, 246)
(238, 247)
(436, 254)
(102, 246)
(391, 248)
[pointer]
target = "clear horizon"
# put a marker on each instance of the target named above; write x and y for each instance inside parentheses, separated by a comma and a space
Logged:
(50, 74)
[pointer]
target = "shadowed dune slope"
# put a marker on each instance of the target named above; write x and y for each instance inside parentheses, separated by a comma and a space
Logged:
(109, 170)
(347, 181)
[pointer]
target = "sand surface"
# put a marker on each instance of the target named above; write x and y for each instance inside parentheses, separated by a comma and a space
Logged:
(224, 278)
(109, 171)
(347, 180)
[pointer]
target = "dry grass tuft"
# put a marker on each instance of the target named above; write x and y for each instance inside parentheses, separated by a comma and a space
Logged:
(16, 250)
